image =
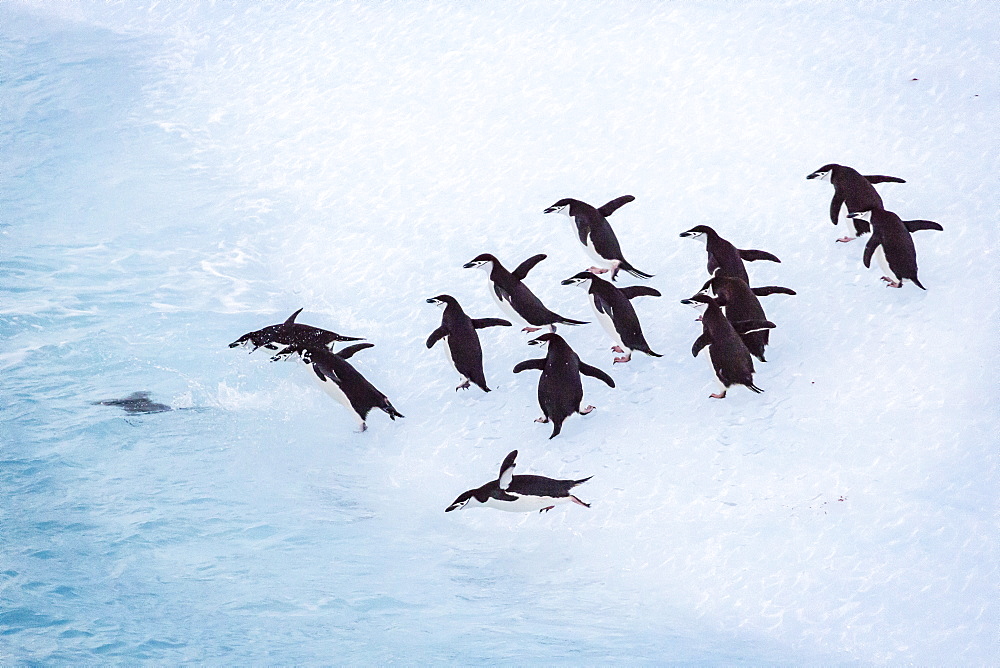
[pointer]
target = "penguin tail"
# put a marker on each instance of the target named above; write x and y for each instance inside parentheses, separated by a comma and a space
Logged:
(556, 428)
(917, 283)
(754, 388)
(580, 482)
(625, 266)
(569, 321)
(651, 353)
(391, 410)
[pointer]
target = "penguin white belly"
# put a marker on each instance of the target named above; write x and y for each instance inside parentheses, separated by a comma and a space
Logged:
(594, 255)
(451, 360)
(883, 263)
(338, 395)
(526, 504)
(607, 323)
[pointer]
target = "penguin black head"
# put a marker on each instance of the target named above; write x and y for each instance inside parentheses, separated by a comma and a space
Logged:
(699, 300)
(479, 261)
(442, 300)
(462, 501)
(544, 339)
(562, 206)
(823, 173)
(578, 279)
(862, 215)
(699, 232)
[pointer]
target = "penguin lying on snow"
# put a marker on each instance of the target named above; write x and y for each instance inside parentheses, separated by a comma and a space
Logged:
(892, 244)
(741, 304)
(728, 355)
(513, 296)
(850, 187)
(615, 313)
(290, 333)
(519, 493)
(461, 340)
(560, 390)
(723, 257)
(596, 234)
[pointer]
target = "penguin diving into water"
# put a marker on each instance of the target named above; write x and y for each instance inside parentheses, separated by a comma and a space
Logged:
(461, 341)
(513, 296)
(892, 245)
(727, 353)
(137, 402)
(613, 309)
(290, 333)
(854, 190)
(723, 256)
(560, 389)
(596, 235)
(741, 304)
(519, 493)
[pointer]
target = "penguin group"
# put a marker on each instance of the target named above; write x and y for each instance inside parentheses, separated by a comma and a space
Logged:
(734, 327)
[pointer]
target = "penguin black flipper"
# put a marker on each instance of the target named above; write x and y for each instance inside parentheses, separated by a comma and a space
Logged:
(436, 336)
(522, 269)
(754, 255)
(594, 372)
(746, 326)
(699, 343)
(873, 243)
(615, 204)
(878, 178)
(480, 323)
(347, 352)
(537, 365)
(917, 225)
(323, 376)
(633, 291)
(507, 471)
(766, 290)
(835, 204)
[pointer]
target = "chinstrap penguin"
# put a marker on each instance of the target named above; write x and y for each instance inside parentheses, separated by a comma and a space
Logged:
(855, 190)
(741, 304)
(613, 309)
(892, 245)
(461, 341)
(596, 235)
(723, 256)
(513, 296)
(345, 383)
(728, 355)
(519, 493)
(560, 389)
(290, 333)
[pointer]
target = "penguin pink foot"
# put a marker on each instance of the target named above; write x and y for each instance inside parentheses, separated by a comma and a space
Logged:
(622, 360)
(718, 396)
(844, 240)
(587, 410)
(543, 420)
(617, 349)
(598, 270)
(892, 283)
(545, 509)
(463, 386)
(531, 329)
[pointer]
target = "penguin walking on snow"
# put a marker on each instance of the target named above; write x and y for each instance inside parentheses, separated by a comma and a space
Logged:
(461, 340)
(560, 390)
(855, 190)
(723, 256)
(513, 296)
(741, 304)
(892, 245)
(519, 493)
(596, 235)
(728, 355)
(613, 309)
(345, 383)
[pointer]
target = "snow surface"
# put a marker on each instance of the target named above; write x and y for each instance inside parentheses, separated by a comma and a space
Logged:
(176, 174)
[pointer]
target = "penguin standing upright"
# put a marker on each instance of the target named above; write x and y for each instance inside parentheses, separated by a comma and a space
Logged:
(513, 296)
(461, 340)
(615, 313)
(345, 383)
(728, 354)
(596, 235)
(723, 256)
(892, 245)
(560, 390)
(519, 493)
(741, 304)
(855, 190)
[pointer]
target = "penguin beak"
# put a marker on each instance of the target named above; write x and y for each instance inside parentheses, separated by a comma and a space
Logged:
(470, 265)
(432, 301)
(568, 281)
(813, 175)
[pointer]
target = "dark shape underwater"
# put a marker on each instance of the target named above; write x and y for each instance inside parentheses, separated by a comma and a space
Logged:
(137, 402)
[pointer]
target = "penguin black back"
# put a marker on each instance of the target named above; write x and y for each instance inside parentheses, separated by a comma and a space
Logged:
(854, 190)
(741, 304)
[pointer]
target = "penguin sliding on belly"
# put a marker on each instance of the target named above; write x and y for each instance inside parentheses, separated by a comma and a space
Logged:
(519, 493)
(513, 296)
(723, 257)
(560, 390)
(345, 383)
(613, 309)
(728, 355)
(461, 340)
(853, 189)
(892, 245)
(596, 235)
(741, 304)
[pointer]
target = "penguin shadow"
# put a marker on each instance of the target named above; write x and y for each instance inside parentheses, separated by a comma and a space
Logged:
(139, 404)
